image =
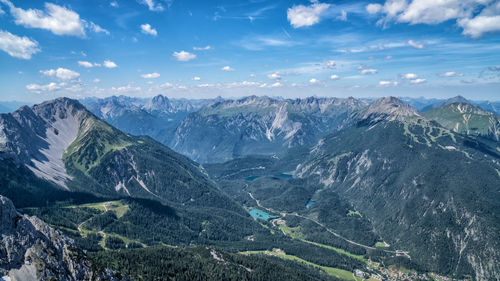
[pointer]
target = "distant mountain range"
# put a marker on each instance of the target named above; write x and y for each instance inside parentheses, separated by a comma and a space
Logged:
(217, 130)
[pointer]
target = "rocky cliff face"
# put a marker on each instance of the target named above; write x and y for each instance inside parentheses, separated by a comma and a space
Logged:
(259, 125)
(31, 250)
(38, 136)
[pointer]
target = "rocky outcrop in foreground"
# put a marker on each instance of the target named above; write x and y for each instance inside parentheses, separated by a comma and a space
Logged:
(31, 250)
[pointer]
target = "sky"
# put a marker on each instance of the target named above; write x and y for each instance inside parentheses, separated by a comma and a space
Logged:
(230, 48)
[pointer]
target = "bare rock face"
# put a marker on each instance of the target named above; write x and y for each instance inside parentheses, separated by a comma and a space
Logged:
(31, 250)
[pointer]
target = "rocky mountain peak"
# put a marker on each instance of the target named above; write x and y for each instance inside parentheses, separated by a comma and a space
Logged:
(31, 250)
(8, 215)
(158, 103)
(390, 108)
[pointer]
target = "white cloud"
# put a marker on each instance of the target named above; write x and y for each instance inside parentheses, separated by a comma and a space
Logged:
(334, 77)
(227, 68)
(343, 16)
(368, 71)
(150, 75)
(415, 44)
(479, 25)
(97, 80)
(61, 73)
(114, 4)
(96, 28)
(274, 85)
(152, 6)
(147, 29)
(410, 76)
(85, 64)
(388, 57)
(196, 78)
(275, 75)
(36, 88)
(388, 83)
(300, 16)
(475, 17)
(252, 75)
(125, 89)
(418, 81)
(59, 20)
(373, 8)
(18, 47)
(206, 48)
(314, 81)
(184, 56)
(450, 74)
(109, 64)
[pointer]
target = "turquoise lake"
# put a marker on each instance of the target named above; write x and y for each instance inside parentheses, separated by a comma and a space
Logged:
(261, 215)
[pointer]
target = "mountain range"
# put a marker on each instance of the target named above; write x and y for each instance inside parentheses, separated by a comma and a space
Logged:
(337, 182)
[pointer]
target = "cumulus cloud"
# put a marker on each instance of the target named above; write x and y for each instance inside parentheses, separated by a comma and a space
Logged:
(227, 68)
(97, 80)
(334, 77)
(418, 81)
(410, 76)
(206, 48)
(314, 81)
(388, 83)
(275, 75)
(451, 74)
(494, 68)
(475, 17)
(301, 16)
(36, 88)
(18, 47)
(61, 73)
(57, 19)
(415, 44)
(476, 27)
(150, 75)
(114, 4)
(86, 64)
(147, 29)
(196, 78)
(368, 71)
(109, 64)
(184, 56)
(373, 8)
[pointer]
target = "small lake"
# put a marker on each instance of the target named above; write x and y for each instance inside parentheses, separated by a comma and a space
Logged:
(284, 176)
(261, 215)
(310, 203)
(251, 178)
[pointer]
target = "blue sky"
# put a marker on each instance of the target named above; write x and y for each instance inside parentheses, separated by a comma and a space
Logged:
(200, 49)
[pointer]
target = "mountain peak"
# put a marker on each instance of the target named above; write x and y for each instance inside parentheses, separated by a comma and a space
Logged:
(457, 99)
(158, 103)
(390, 108)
